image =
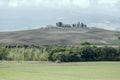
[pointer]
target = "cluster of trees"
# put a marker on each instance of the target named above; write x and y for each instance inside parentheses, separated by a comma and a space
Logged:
(27, 54)
(82, 25)
(61, 53)
(85, 53)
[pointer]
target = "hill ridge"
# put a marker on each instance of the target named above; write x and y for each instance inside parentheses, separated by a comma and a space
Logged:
(62, 36)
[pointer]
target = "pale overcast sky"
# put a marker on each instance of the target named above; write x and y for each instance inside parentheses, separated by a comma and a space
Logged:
(27, 14)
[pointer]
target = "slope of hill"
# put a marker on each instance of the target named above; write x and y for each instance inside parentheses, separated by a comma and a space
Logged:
(57, 35)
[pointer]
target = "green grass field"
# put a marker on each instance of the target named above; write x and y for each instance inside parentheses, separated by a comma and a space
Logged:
(62, 71)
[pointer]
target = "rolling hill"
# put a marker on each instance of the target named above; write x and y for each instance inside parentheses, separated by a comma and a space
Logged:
(62, 36)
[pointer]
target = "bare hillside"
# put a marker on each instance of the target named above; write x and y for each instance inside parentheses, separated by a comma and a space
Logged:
(63, 36)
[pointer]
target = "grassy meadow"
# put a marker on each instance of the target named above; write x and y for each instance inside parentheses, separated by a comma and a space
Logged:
(59, 71)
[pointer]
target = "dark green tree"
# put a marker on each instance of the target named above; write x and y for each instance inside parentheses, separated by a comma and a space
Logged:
(59, 24)
(88, 54)
(108, 53)
(3, 53)
(118, 54)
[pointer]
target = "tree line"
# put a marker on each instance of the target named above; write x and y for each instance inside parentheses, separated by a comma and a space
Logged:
(78, 25)
(61, 53)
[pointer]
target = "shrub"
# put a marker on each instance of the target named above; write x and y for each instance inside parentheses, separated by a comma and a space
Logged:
(58, 56)
(85, 43)
(44, 57)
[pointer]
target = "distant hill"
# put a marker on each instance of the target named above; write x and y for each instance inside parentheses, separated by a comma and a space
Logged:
(58, 35)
